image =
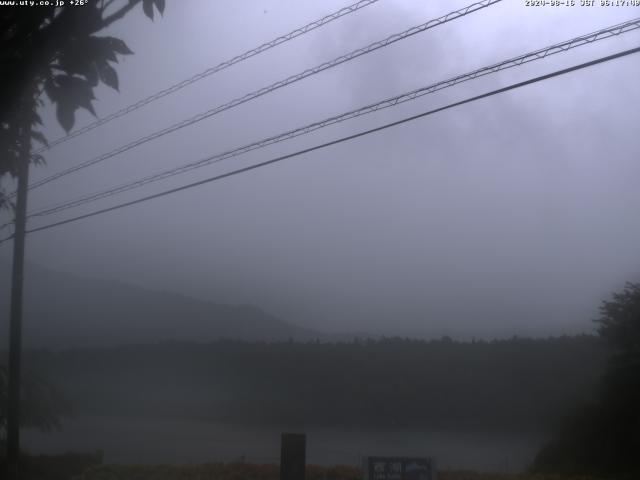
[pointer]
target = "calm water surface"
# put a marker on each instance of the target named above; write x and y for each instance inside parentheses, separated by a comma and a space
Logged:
(180, 441)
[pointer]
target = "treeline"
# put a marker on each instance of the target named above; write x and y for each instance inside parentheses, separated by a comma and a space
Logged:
(508, 384)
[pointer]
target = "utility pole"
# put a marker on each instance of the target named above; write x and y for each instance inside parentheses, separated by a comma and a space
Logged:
(15, 326)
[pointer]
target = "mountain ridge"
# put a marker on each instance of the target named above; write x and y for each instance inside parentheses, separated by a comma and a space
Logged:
(63, 310)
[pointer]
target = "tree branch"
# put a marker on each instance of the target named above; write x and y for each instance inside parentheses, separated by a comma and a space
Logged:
(108, 4)
(119, 14)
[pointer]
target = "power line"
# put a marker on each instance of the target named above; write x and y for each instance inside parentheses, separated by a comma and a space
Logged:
(6, 239)
(275, 86)
(389, 102)
(340, 140)
(210, 71)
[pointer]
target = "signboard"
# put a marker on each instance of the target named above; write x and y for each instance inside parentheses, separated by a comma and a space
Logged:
(399, 468)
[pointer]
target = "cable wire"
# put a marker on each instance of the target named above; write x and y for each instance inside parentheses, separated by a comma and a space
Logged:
(339, 140)
(210, 71)
(275, 86)
(389, 102)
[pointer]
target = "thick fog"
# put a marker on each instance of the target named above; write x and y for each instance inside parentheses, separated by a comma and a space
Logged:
(514, 215)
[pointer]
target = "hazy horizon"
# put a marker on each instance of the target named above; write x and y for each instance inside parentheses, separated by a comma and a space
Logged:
(97, 286)
(516, 215)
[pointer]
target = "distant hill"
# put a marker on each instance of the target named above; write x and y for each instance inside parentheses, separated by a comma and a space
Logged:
(63, 310)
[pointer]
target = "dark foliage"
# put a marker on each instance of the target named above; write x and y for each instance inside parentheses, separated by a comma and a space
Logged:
(604, 437)
(42, 405)
(57, 467)
(55, 51)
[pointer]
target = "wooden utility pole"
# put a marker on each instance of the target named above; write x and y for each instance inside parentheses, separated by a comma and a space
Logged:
(15, 326)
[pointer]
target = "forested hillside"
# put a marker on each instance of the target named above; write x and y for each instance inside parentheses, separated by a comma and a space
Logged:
(508, 384)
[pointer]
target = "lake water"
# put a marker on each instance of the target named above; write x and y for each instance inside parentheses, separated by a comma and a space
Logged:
(180, 442)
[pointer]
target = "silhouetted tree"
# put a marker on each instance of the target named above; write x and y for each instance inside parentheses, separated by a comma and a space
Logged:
(54, 50)
(42, 405)
(604, 437)
(51, 50)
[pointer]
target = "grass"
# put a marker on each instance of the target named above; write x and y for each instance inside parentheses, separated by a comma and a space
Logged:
(89, 467)
(248, 471)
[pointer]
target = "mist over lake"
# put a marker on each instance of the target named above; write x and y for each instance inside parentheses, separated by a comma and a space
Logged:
(126, 440)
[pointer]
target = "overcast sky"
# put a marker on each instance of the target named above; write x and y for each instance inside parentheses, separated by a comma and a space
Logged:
(513, 215)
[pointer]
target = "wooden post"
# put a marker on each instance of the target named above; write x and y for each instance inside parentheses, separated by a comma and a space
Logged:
(15, 325)
(293, 456)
